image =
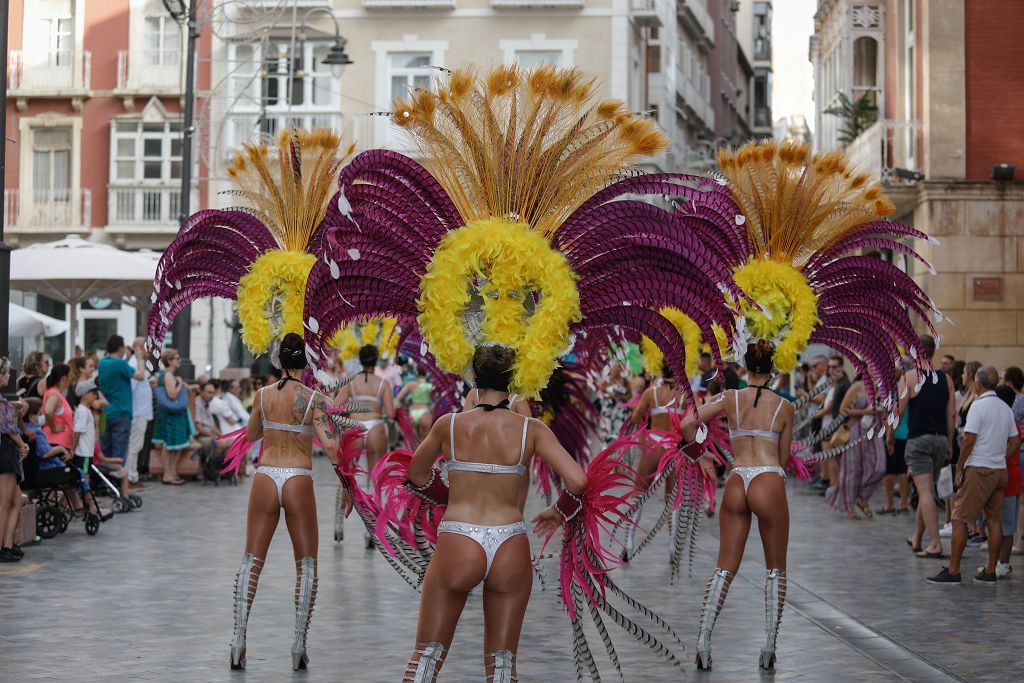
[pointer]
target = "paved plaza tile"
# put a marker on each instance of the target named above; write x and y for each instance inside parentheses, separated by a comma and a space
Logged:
(149, 599)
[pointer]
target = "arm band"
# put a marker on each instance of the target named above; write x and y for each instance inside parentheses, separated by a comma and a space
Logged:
(434, 491)
(568, 505)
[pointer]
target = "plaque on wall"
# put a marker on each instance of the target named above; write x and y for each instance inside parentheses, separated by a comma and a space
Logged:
(988, 289)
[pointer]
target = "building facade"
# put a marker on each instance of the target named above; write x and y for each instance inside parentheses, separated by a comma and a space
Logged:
(96, 91)
(945, 78)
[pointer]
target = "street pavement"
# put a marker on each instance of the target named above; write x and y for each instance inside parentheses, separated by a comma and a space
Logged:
(149, 599)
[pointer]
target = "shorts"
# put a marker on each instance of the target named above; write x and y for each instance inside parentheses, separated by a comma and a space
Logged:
(897, 462)
(926, 455)
(1009, 521)
(982, 490)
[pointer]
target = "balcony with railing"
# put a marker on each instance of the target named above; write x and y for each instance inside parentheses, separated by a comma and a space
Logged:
(48, 72)
(59, 211)
(695, 17)
(409, 4)
(150, 70)
(693, 92)
(515, 4)
(890, 150)
(145, 205)
(647, 12)
(242, 127)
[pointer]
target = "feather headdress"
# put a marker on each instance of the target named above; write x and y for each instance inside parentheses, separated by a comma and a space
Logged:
(797, 250)
(516, 231)
(259, 253)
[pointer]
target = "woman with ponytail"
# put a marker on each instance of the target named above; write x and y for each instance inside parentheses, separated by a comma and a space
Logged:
(286, 415)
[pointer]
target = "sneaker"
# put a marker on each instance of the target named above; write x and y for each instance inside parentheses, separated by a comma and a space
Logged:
(945, 577)
(976, 541)
(6, 555)
(982, 577)
(16, 550)
(1002, 570)
(946, 531)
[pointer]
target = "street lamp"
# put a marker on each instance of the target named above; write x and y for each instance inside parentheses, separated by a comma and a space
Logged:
(336, 57)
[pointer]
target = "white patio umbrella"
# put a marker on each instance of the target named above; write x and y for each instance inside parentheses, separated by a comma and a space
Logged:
(24, 322)
(73, 270)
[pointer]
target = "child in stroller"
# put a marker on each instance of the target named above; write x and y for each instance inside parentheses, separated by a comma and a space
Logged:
(98, 468)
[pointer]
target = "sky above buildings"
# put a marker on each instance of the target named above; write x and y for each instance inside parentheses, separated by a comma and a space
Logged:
(793, 76)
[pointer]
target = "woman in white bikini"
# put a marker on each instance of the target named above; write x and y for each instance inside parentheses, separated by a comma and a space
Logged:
(286, 415)
(376, 394)
(656, 402)
(761, 430)
(483, 537)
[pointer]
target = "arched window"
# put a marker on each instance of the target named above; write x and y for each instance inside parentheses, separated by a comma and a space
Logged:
(865, 68)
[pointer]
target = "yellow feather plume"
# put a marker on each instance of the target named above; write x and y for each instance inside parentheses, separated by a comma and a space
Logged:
(796, 204)
(288, 184)
(530, 146)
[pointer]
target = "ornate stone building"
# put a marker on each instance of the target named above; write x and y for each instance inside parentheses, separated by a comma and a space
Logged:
(946, 77)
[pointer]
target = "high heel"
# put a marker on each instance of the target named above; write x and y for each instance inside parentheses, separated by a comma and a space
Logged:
(774, 601)
(627, 552)
(714, 599)
(246, 581)
(305, 597)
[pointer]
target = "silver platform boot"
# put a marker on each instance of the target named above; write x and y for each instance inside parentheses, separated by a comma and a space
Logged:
(673, 528)
(246, 579)
(424, 668)
(714, 598)
(500, 667)
(774, 601)
(305, 596)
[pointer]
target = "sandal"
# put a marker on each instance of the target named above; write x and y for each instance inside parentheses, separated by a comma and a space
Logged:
(852, 515)
(914, 548)
(866, 509)
(887, 511)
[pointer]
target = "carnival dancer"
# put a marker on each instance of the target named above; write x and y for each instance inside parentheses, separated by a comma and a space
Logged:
(482, 538)
(286, 415)
(377, 396)
(417, 394)
(795, 247)
(261, 253)
(526, 230)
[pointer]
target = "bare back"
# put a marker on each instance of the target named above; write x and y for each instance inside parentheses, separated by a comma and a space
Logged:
(491, 438)
(292, 405)
(367, 389)
(663, 395)
(772, 415)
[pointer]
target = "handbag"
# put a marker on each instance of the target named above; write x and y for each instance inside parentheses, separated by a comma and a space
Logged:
(840, 438)
(165, 403)
(944, 485)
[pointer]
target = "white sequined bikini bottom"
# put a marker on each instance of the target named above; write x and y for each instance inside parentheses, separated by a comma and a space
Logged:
(490, 538)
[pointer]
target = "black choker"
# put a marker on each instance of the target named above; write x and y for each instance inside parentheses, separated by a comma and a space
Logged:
(503, 405)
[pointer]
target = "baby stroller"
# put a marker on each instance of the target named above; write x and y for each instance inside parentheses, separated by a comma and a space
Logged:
(98, 478)
(53, 510)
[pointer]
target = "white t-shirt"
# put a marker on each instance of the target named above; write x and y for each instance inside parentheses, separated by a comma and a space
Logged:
(85, 427)
(826, 419)
(991, 421)
(227, 421)
(142, 394)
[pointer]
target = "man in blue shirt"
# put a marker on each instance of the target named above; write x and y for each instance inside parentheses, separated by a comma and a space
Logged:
(115, 378)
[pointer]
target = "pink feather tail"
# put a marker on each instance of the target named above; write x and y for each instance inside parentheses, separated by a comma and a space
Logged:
(405, 424)
(797, 466)
(610, 483)
(400, 509)
(240, 446)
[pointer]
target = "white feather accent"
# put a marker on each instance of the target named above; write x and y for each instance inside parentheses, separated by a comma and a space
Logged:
(423, 348)
(933, 240)
(343, 204)
(313, 325)
(702, 434)
(354, 254)
(335, 271)
(740, 219)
